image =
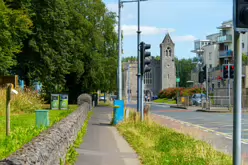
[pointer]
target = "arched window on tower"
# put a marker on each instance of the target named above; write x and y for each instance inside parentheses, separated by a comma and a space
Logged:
(168, 51)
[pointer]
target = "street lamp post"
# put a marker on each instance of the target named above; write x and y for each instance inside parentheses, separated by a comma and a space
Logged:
(120, 4)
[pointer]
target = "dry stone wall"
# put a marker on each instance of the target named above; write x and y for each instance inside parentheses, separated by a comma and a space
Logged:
(51, 146)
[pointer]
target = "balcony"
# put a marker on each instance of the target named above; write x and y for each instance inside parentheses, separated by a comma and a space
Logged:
(223, 39)
(225, 53)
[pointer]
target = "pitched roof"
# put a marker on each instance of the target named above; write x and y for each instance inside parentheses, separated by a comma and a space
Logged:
(167, 37)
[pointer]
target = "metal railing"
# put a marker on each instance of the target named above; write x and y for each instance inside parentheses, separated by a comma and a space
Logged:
(184, 101)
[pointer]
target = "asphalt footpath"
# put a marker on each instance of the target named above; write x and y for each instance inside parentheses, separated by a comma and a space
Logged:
(103, 145)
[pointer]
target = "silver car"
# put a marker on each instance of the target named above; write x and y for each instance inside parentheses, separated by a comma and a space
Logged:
(197, 98)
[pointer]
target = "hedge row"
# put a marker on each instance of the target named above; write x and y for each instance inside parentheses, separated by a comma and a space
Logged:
(171, 93)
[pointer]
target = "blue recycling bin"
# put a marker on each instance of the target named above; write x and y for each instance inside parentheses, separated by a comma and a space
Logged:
(118, 111)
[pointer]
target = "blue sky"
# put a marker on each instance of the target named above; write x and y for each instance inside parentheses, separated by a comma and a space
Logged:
(186, 20)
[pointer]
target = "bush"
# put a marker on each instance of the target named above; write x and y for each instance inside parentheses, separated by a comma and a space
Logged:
(171, 93)
(23, 102)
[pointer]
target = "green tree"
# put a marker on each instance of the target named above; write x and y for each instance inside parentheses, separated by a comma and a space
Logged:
(15, 26)
(73, 45)
(183, 70)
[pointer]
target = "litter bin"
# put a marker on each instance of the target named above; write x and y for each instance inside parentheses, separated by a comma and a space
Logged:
(54, 105)
(42, 118)
(118, 111)
(63, 103)
(94, 99)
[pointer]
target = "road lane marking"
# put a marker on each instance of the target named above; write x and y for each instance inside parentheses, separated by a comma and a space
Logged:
(244, 141)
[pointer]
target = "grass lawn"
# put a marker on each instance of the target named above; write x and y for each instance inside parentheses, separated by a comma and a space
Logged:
(165, 101)
(158, 145)
(23, 129)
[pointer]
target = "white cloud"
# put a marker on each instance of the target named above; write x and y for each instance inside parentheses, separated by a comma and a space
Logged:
(186, 38)
(130, 30)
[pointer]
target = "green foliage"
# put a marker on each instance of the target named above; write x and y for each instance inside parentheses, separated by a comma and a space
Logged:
(15, 25)
(72, 45)
(244, 59)
(130, 59)
(158, 145)
(183, 69)
(165, 100)
(72, 154)
(23, 130)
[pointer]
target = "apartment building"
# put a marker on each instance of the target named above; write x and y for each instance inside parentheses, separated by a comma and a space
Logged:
(218, 50)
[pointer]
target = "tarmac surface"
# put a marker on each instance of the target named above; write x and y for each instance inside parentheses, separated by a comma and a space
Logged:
(103, 145)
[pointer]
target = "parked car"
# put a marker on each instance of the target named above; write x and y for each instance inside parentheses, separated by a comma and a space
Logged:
(155, 97)
(197, 98)
(101, 98)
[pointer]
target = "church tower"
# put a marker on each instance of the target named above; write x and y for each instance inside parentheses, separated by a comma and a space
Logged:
(167, 59)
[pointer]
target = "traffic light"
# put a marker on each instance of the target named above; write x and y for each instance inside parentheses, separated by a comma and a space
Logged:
(232, 71)
(240, 13)
(201, 77)
(145, 57)
(225, 71)
(204, 72)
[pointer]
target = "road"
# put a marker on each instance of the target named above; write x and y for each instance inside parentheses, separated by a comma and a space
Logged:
(217, 123)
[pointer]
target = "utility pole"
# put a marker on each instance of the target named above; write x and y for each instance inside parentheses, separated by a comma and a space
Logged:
(119, 52)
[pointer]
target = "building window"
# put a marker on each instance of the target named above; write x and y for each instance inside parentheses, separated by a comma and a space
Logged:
(210, 65)
(226, 61)
(168, 76)
(210, 56)
(243, 45)
(225, 47)
(218, 84)
(168, 51)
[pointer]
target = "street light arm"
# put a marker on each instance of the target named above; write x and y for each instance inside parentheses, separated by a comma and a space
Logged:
(132, 1)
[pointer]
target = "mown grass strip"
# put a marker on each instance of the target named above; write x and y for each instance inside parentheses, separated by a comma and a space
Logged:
(166, 101)
(23, 129)
(72, 154)
(158, 145)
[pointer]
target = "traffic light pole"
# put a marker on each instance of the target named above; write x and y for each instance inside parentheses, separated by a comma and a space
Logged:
(237, 90)
(139, 87)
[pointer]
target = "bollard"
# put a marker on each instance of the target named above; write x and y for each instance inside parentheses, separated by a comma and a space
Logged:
(42, 118)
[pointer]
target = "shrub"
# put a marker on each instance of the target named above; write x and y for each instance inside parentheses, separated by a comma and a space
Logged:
(172, 92)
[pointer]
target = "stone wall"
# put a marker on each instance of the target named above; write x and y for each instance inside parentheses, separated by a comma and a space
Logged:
(51, 146)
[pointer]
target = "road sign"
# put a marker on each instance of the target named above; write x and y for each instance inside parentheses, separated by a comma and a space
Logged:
(178, 80)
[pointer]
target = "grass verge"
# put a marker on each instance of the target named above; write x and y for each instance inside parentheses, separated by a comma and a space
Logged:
(72, 154)
(157, 145)
(166, 101)
(23, 102)
(23, 129)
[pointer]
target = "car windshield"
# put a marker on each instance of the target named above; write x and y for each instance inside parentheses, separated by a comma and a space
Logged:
(199, 95)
